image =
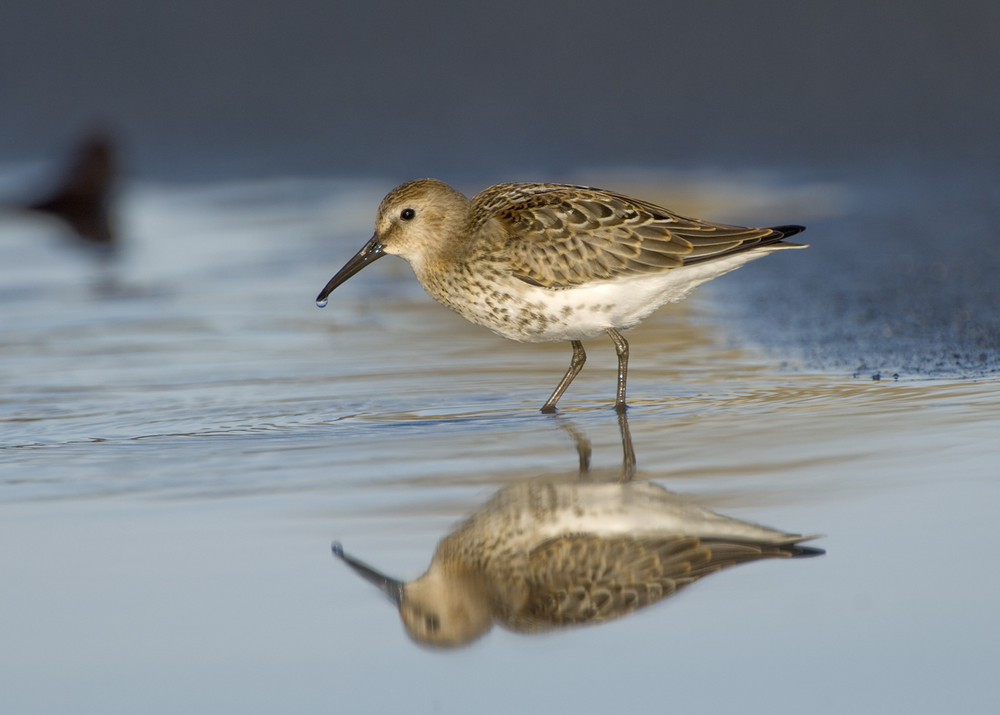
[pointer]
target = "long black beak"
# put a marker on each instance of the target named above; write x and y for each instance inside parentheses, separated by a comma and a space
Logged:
(370, 252)
(389, 586)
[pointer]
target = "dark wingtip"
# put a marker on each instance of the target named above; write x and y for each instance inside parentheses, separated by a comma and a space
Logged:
(804, 552)
(789, 230)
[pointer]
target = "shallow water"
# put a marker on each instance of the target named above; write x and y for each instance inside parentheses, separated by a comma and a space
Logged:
(184, 434)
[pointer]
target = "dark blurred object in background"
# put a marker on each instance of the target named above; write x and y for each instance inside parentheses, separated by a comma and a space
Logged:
(81, 199)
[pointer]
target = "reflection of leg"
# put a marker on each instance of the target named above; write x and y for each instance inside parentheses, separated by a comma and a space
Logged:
(621, 347)
(583, 449)
(575, 365)
(628, 452)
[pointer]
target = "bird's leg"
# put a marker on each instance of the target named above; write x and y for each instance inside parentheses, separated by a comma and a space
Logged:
(621, 347)
(575, 365)
(628, 458)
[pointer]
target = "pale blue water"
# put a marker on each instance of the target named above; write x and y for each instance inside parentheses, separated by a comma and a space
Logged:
(178, 450)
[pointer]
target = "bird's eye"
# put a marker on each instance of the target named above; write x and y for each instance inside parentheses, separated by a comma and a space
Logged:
(407, 214)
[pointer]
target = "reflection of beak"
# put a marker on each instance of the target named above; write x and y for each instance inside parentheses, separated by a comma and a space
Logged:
(371, 251)
(389, 586)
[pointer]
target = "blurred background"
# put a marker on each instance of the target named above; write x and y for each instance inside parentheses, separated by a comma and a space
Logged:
(257, 87)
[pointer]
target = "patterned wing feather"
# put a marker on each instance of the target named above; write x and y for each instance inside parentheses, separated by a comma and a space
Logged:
(560, 236)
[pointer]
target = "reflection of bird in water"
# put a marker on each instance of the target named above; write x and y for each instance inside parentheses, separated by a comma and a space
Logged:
(543, 555)
(81, 198)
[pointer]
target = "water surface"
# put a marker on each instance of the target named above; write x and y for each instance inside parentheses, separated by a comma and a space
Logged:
(184, 433)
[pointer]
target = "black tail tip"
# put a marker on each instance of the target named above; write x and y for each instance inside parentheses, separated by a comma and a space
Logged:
(789, 230)
(804, 552)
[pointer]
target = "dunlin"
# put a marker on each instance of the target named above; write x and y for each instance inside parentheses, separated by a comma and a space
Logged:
(549, 262)
(542, 555)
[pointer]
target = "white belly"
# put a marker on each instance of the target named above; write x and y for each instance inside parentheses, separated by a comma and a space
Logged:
(587, 311)
(532, 314)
